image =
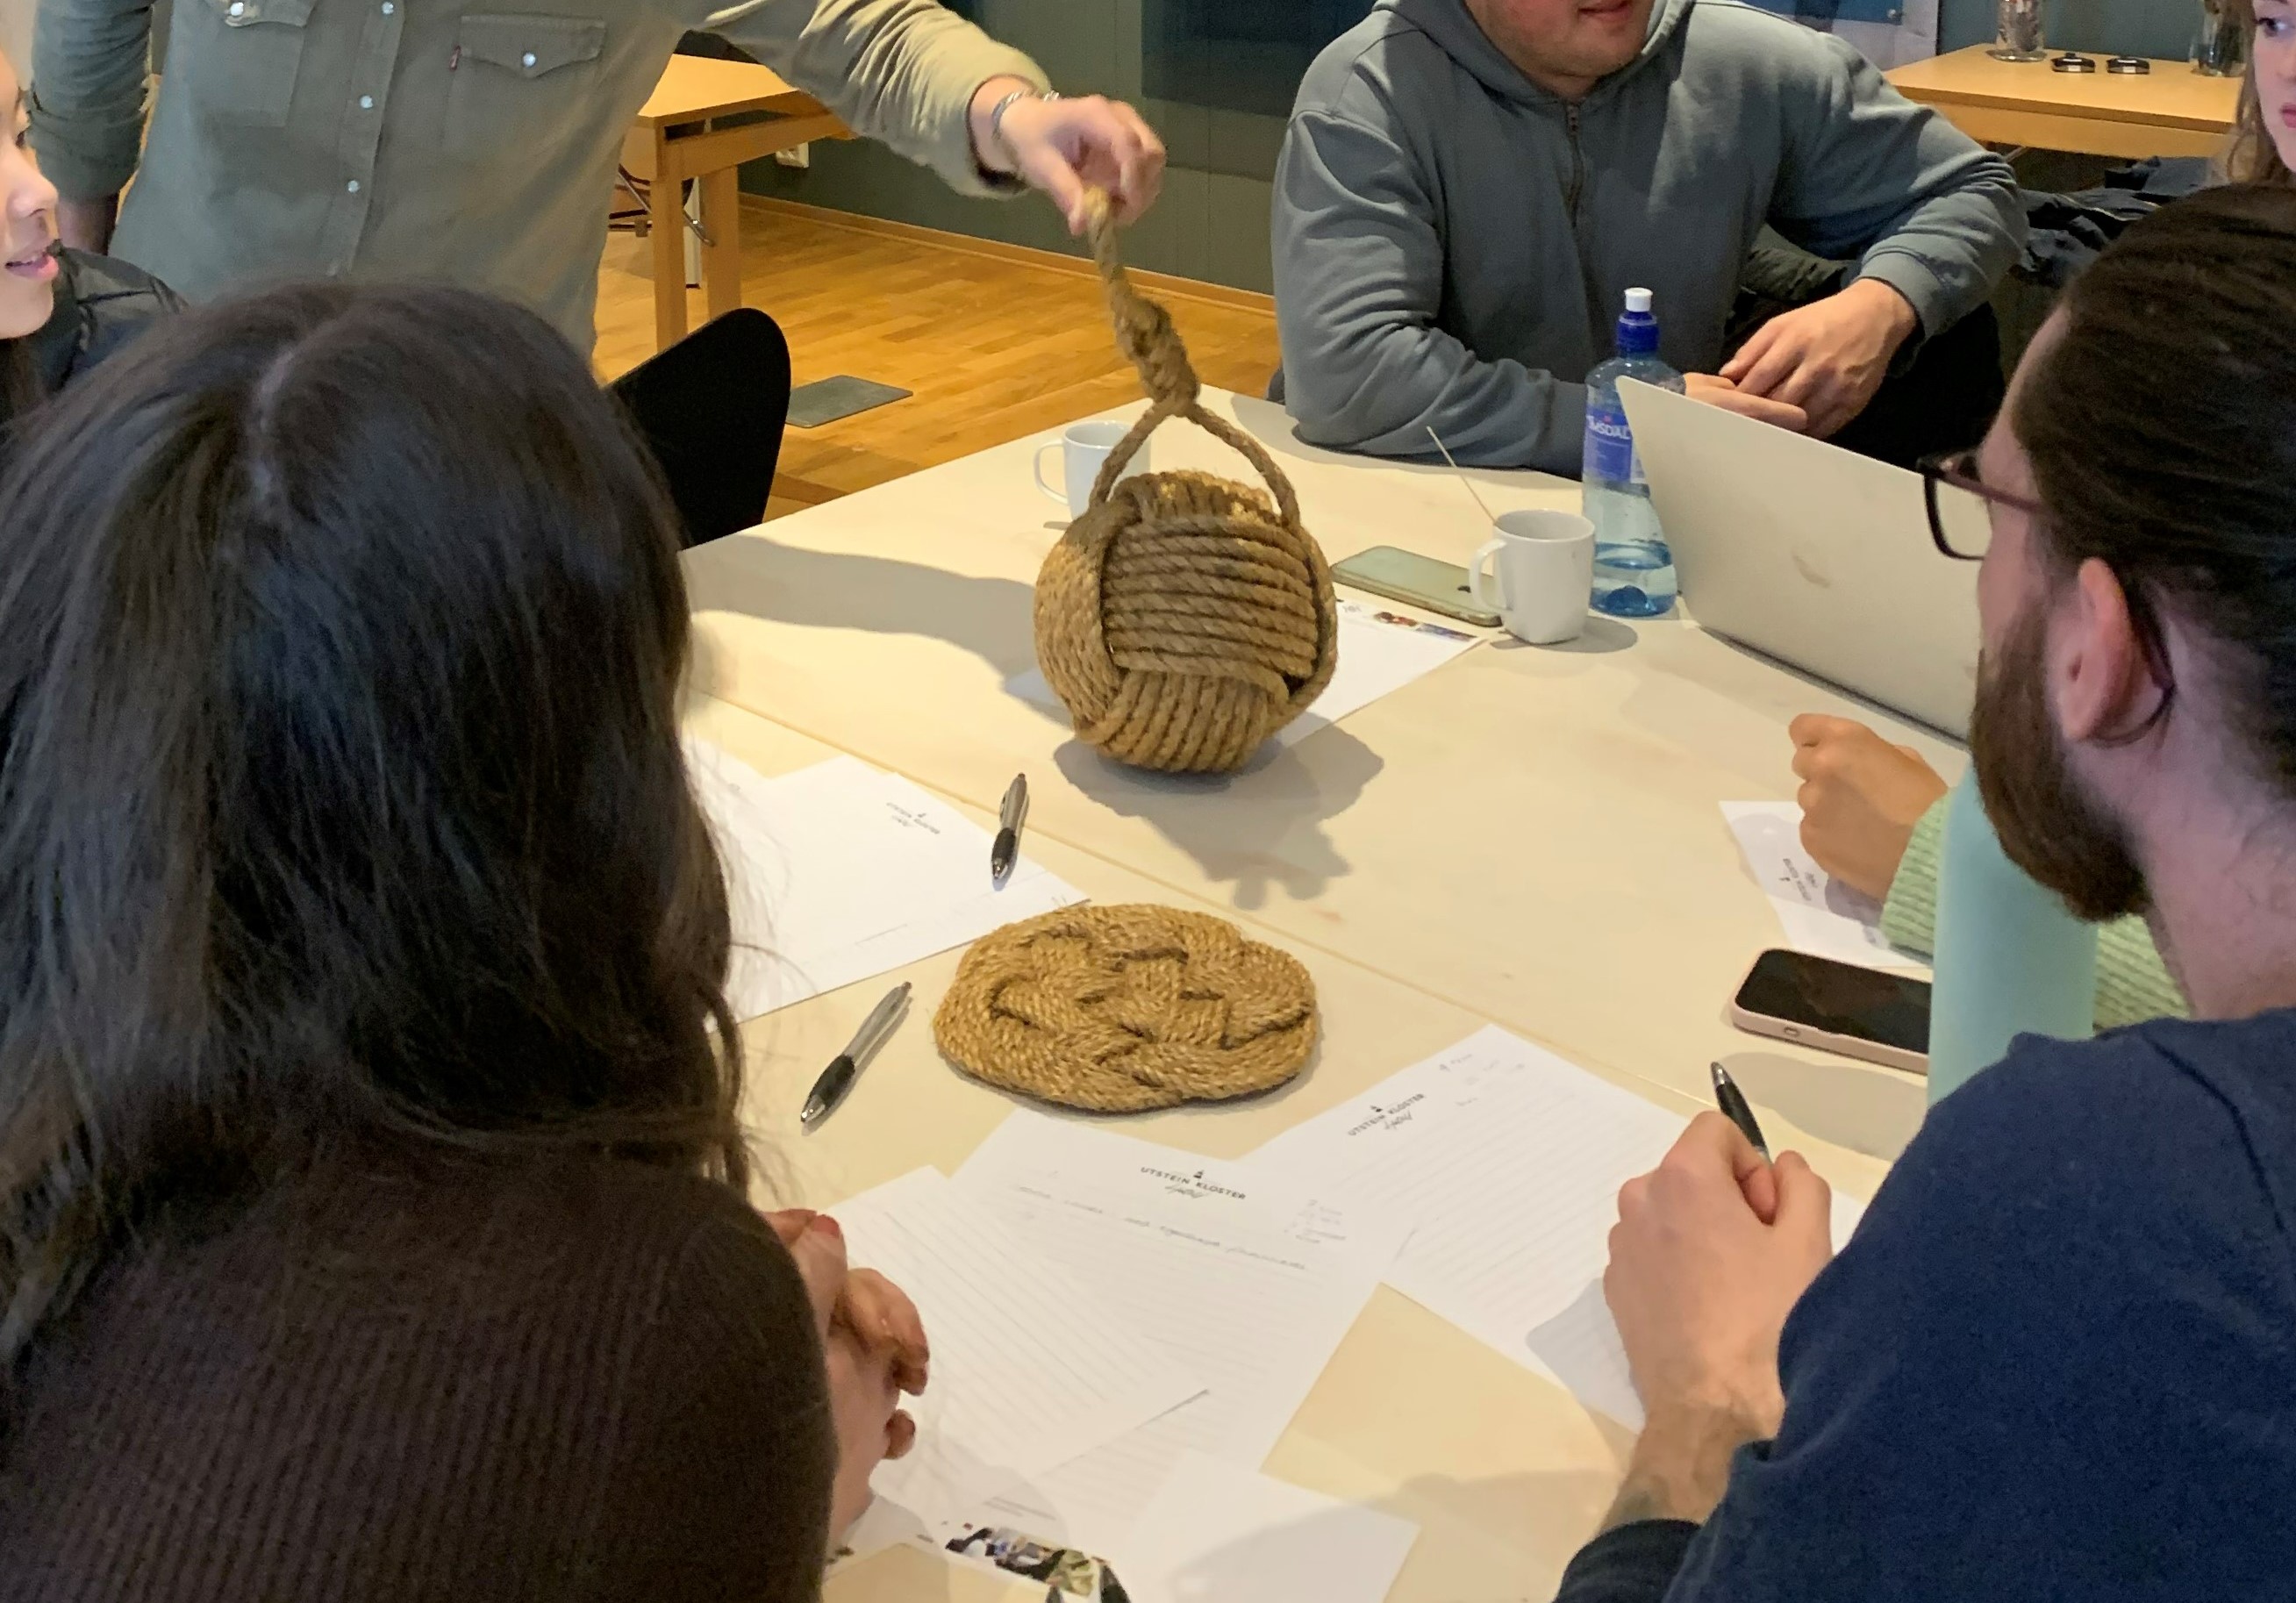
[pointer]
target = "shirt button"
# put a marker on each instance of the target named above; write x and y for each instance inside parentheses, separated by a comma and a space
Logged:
(526, 60)
(366, 102)
(352, 187)
(387, 7)
(238, 8)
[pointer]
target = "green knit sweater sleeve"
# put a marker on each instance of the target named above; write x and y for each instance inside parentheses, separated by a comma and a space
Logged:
(2132, 984)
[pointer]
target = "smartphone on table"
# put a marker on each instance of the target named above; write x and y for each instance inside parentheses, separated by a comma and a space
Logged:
(1406, 576)
(1861, 1013)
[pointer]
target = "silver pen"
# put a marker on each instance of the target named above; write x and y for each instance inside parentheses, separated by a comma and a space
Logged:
(845, 1067)
(1006, 849)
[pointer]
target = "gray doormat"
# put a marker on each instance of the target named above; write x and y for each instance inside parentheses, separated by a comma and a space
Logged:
(826, 400)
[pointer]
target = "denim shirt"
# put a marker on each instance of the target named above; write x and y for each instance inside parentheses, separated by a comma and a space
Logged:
(418, 139)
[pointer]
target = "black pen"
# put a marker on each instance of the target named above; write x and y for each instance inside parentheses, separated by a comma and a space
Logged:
(1006, 849)
(1732, 1104)
(845, 1067)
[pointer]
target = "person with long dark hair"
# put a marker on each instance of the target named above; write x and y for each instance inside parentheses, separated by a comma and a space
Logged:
(60, 311)
(374, 1212)
(2058, 1358)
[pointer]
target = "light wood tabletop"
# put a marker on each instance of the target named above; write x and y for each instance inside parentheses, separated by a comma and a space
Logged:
(1525, 837)
(2170, 110)
(1534, 834)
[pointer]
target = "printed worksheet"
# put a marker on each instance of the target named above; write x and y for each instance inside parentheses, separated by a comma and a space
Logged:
(839, 872)
(1238, 1276)
(1507, 1162)
(1030, 1367)
(1822, 915)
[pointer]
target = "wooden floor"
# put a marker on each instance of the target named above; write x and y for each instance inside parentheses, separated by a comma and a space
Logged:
(995, 347)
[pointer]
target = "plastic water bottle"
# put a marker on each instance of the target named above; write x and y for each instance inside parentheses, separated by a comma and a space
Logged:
(1633, 571)
(2011, 960)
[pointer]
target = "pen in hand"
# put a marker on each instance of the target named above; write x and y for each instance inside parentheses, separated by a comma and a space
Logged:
(1732, 1104)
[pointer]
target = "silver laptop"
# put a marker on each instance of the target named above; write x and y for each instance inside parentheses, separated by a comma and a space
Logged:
(1814, 555)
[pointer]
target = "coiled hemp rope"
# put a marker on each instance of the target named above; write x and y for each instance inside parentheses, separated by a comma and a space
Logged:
(1183, 618)
(1118, 1009)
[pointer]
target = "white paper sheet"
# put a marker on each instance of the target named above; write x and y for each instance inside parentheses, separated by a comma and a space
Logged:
(1239, 1275)
(1218, 1534)
(1822, 915)
(1382, 649)
(1029, 1368)
(840, 871)
(1508, 1161)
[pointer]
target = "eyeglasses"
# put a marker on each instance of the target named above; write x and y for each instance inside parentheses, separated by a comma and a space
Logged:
(1970, 531)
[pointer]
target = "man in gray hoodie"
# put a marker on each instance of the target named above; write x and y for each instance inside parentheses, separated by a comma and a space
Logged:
(1469, 188)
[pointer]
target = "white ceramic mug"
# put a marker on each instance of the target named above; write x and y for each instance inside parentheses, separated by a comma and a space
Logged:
(1545, 578)
(1086, 446)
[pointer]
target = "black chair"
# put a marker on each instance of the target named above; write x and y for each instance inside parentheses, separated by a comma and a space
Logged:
(712, 407)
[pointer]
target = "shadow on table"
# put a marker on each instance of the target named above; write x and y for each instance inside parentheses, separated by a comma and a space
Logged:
(1862, 1107)
(760, 577)
(1254, 830)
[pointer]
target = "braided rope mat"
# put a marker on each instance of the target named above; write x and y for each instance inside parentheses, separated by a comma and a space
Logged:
(1183, 618)
(1118, 1009)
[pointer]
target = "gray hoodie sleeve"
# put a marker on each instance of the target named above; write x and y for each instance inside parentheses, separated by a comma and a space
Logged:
(1358, 279)
(1871, 177)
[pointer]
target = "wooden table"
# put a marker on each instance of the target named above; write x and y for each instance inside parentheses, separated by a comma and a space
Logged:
(2171, 111)
(682, 133)
(1527, 836)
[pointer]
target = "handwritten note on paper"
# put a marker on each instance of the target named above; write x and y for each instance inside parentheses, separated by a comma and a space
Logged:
(1239, 1275)
(1382, 649)
(1030, 1368)
(1822, 915)
(1507, 1160)
(839, 872)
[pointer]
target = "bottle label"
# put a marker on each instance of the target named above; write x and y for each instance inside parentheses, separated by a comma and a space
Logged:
(1611, 456)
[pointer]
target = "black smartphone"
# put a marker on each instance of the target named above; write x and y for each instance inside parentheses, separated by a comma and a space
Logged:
(1861, 1013)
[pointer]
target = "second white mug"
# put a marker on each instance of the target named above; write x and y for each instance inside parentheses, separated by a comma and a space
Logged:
(1085, 446)
(1545, 577)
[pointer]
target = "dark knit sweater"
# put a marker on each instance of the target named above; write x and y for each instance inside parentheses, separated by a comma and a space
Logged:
(583, 1379)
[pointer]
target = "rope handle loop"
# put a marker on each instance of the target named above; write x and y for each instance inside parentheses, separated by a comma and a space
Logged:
(1145, 335)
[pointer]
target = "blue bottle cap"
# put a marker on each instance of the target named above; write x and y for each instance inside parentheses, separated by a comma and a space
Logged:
(1638, 328)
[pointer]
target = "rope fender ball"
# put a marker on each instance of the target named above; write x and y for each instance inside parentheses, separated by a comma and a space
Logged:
(1185, 618)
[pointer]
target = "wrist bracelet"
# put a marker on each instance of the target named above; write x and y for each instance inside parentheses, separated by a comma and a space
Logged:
(996, 118)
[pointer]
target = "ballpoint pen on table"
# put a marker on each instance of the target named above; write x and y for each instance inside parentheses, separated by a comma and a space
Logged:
(1732, 1101)
(845, 1067)
(1006, 849)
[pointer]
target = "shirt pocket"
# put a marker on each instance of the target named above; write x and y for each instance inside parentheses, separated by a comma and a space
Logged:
(518, 76)
(245, 58)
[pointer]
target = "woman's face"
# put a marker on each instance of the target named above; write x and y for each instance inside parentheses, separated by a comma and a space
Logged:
(27, 223)
(2274, 61)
